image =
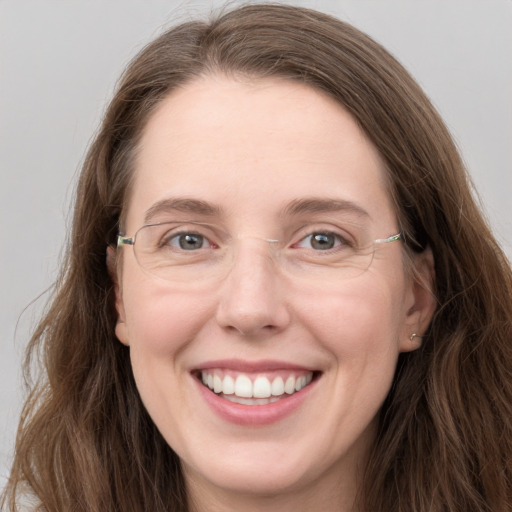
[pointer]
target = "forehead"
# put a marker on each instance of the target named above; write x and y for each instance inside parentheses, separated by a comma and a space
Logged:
(253, 146)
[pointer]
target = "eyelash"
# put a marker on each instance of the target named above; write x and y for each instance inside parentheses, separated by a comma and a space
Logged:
(168, 238)
(339, 240)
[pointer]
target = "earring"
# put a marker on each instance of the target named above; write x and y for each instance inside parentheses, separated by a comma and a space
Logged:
(414, 335)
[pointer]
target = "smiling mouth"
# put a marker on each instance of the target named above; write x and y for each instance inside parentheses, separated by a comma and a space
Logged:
(255, 389)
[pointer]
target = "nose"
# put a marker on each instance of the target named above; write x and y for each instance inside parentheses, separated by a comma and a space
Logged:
(252, 296)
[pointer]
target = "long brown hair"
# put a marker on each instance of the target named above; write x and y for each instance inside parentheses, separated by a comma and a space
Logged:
(85, 441)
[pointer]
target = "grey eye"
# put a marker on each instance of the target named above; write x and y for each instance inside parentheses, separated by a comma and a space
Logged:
(189, 241)
(321, 241)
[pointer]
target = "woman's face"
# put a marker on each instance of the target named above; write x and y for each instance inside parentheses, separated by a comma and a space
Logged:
(278, 172)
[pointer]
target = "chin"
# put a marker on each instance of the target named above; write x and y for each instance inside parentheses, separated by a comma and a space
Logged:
(268, 478)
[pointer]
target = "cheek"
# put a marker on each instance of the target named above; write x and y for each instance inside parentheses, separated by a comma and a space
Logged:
(160, 321)
(358, 323)
(160, 326)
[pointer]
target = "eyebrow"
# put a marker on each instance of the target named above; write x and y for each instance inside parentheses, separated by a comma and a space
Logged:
(296, 207)
(183, 205)
(322, 205)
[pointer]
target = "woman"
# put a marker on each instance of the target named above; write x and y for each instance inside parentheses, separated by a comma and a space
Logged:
(279, 293)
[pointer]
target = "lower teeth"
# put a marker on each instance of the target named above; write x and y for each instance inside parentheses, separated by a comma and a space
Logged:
(250, 401)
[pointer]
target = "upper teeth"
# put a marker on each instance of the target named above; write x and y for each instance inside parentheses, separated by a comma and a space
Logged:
(261, 387)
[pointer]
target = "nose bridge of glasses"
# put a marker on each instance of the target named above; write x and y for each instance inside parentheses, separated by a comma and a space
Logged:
(250, 258)
(240, 238)
(255, 246)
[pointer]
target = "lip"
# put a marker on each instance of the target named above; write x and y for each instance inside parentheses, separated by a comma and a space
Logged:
(253, 415)
(252, 366)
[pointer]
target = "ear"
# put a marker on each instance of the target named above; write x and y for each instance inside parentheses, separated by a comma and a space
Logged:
(421, 301)
(112, 266)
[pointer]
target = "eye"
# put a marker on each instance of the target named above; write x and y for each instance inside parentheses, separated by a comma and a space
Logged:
(321, 241)
(188, 241)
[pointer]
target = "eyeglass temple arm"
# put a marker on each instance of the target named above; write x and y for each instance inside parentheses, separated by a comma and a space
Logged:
(392, 238)
(124, 240)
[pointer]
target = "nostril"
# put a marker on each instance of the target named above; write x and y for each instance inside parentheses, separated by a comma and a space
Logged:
(248, 332)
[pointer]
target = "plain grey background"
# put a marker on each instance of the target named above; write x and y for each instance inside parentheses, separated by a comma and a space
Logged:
(59, 61)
